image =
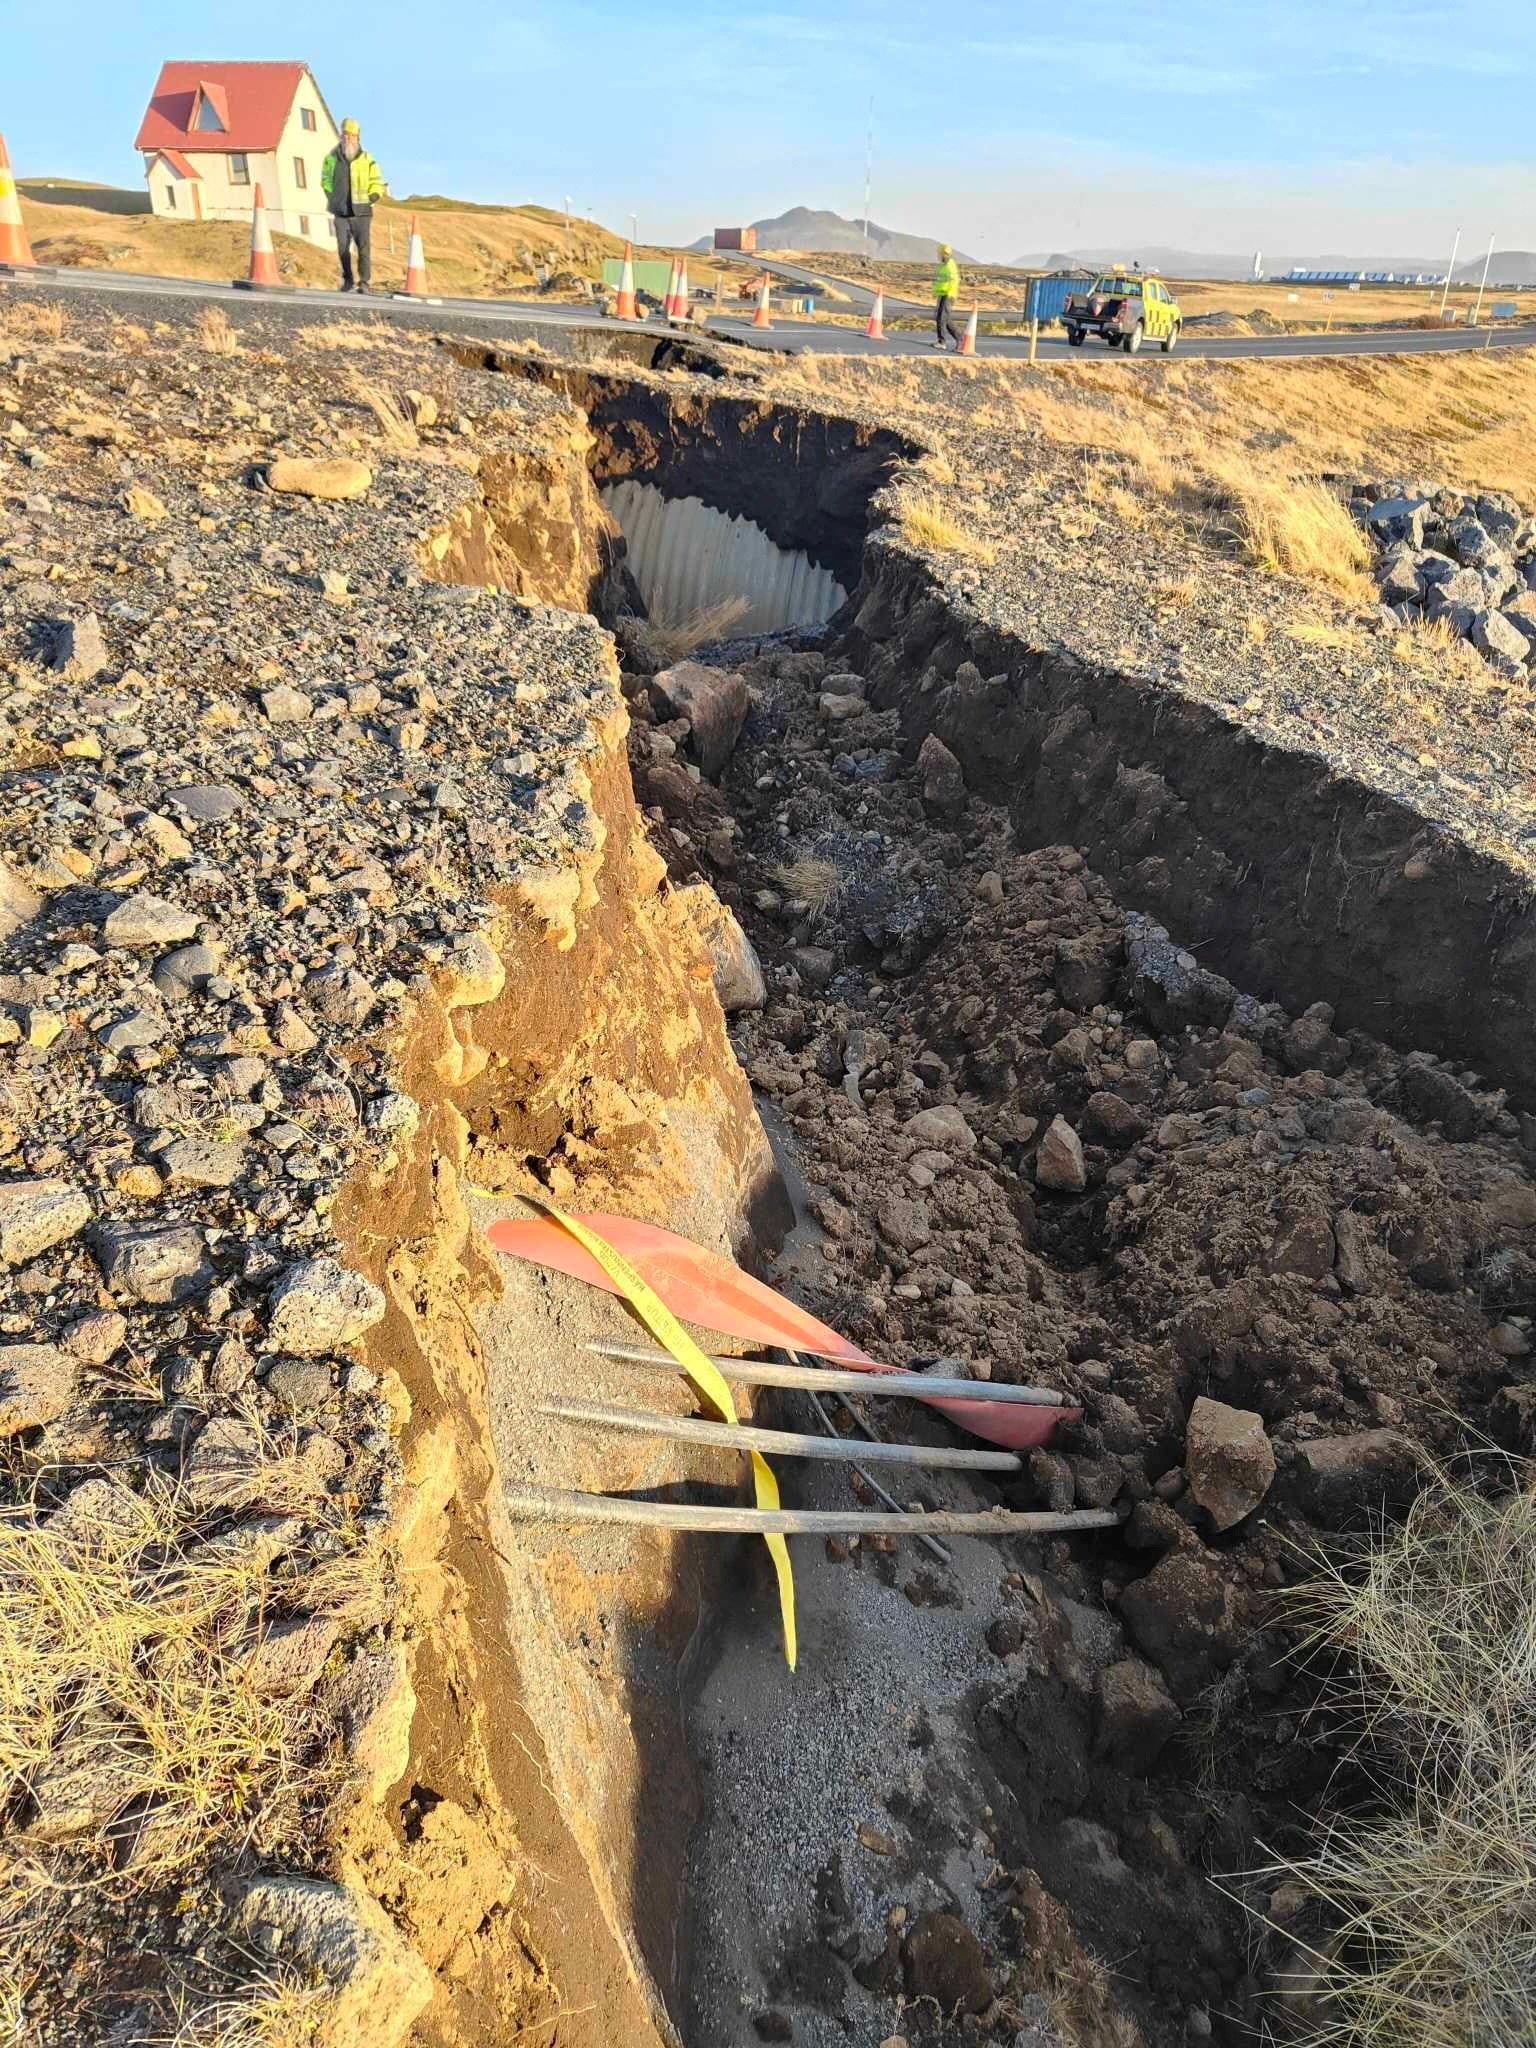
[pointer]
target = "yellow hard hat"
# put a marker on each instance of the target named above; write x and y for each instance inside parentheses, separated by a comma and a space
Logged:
(350, 127)
(945, 249)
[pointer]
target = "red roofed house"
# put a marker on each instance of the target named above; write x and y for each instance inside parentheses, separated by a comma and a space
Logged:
(213, 132)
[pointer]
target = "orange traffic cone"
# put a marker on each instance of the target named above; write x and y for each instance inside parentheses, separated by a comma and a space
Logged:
(669, 303)
(875, 331)
(415, 286)
(625, 307)
(263, 260)
(684, 295)
(15, 249)
(968, 339)
(760, 317)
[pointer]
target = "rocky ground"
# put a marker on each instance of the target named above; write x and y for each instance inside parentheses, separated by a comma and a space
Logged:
(262, 772)
(1276, 1266)
(1466, 562)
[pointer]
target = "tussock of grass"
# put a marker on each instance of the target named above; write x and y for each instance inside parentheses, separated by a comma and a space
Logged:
(925, 523)
(816, 883)
(33, 320)
(1292, 527)
(1429, 1904)
(124, 1650)
(347, 335)
(390, 411)
(275, 2010)
(214, 333)
(687, 636)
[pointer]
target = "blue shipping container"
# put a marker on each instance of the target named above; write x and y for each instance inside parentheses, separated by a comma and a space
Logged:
(1047, 295)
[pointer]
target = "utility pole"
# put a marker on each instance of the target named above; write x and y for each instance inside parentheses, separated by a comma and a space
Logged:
(1477, 312)
(869, 166)
(1445, 289)
(567, 220)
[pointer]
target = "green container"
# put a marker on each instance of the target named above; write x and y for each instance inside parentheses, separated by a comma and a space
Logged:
(650, 275)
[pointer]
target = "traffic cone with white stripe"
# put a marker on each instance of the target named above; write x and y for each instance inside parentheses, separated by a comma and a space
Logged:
(15, 249)
(669, 303)
(968, 339)
(875, 331)
(684, 295)
(625, 306)
(263, 259)
(760, 317)
(415, 286)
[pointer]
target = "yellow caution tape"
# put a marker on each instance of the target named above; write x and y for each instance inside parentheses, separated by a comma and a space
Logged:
(706, 1376)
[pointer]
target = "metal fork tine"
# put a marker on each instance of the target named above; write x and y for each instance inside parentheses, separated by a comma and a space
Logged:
(911, 1386)
(783, 1443)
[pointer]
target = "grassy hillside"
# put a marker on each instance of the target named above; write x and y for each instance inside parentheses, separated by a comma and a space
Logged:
(472, 250)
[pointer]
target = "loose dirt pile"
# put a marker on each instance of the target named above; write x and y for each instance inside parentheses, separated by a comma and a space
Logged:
(1276, 1266)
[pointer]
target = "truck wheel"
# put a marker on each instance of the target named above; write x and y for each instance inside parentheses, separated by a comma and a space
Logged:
(1076, 336)
(1171, 339)
(1132, 342)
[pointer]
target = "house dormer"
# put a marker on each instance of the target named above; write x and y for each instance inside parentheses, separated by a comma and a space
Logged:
(210, 109)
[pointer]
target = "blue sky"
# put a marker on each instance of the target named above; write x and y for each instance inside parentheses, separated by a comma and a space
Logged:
(1368, 125)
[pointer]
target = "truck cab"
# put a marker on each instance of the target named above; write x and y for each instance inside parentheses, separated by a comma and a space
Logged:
(1125, 308)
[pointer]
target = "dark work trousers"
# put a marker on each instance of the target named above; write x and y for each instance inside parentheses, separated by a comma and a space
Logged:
(944, 326)
(354, 231)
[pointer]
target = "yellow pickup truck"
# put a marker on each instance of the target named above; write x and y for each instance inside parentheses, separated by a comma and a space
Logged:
(1127, 309)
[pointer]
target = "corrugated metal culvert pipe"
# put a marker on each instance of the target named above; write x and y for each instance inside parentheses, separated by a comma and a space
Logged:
(685, 556)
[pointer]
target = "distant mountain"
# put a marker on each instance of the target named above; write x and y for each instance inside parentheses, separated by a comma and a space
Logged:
(1509, 266)
(1238, 269)
(806, 227)
(1170, 262)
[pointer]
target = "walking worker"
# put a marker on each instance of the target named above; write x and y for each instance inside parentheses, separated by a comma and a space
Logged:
(946, 289)
(351, 182)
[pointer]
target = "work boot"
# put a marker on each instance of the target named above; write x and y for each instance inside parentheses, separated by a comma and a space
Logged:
(363, 291)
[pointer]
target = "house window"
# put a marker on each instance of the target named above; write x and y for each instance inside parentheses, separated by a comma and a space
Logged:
(300, 174)
(307, 119)
(207, 116)
(239, 168)
(303, 223)
(170, 197)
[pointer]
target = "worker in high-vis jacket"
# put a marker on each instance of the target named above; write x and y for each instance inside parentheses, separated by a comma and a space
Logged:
(351, 182)
(946, 289)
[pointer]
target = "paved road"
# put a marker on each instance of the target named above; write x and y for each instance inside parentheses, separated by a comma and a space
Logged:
(149, 296)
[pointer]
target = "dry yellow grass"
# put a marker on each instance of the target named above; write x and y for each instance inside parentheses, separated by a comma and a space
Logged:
(347, 336)
(214, 332)
(391, 414)
(123, 1656)
(927, 524)
(276, 2010)
(1424, 1912)
(484, 250)
(711, 622)
(33, 320)
(1291, 526)
(816, 883)
(1238, 450)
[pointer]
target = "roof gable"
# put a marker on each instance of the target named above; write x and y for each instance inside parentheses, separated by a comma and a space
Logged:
(176, 161)
(251, 103)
